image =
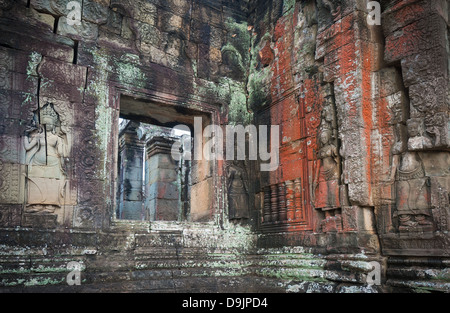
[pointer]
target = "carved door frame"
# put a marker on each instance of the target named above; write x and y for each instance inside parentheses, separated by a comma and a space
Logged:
(216, 208)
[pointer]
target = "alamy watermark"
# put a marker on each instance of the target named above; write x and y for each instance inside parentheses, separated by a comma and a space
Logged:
(74, 277)
(374, 17)
(209, 144)
(74, 13)
(374, 276)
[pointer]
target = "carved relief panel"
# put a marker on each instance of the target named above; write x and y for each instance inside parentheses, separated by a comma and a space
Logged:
(412, 192)
(238, 192)
(326, 179)
(49, 194)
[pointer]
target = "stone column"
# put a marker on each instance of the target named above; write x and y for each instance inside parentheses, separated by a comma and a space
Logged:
(131, 153)
(162, 185)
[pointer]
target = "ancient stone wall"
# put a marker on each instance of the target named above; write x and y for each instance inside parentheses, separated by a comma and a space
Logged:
(363, 176)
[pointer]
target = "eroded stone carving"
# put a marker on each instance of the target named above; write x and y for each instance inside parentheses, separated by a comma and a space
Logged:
(326, 183)
(417, 140)
(327, 169)
(46, 148)
(436, 127)
(327, 193)
(333, 6)
(237, 193)
(411, 184)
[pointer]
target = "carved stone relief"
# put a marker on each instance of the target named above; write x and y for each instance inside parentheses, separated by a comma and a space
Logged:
(412, 187)
(417, 140)
(238, 205)
(326, 181)
(327, 174)
(10, 215)
(47, 148)
(10, 183)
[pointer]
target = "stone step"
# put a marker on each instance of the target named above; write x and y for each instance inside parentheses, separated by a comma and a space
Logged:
(420, 285)
(153, 268)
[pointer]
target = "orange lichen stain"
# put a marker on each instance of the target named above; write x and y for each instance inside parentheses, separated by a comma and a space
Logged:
(406, 41)
(282, 81)
(409, 5)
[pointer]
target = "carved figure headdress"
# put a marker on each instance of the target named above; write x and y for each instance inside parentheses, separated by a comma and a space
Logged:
(48, 115)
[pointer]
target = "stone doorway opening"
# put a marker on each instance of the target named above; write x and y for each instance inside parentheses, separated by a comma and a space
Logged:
(152, 185)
